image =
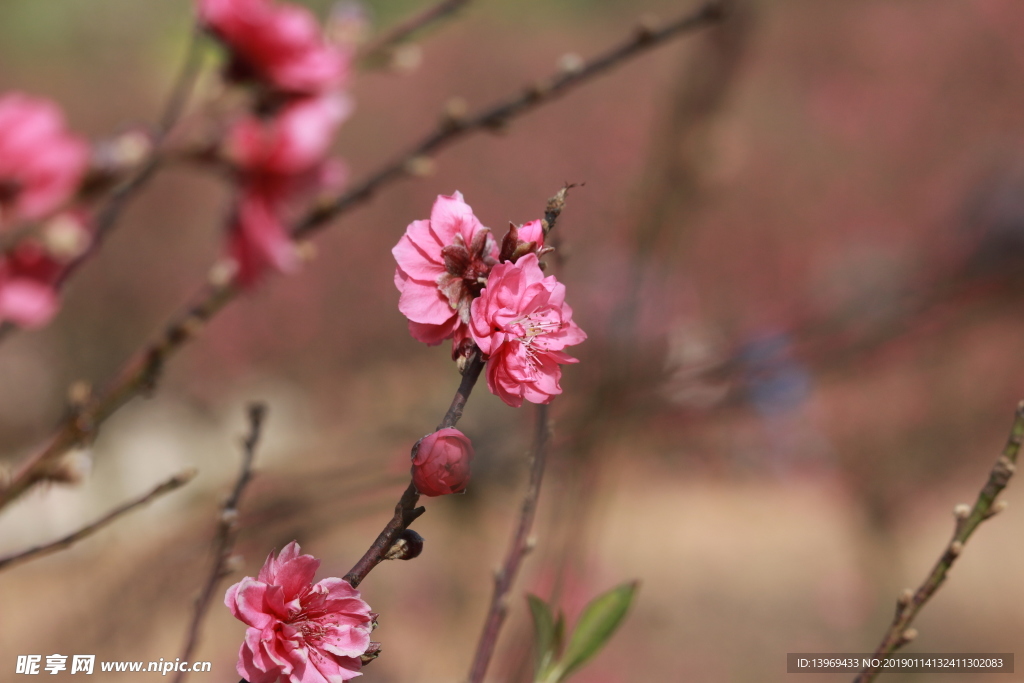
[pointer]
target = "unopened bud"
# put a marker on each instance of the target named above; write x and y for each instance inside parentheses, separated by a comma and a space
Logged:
(955, 548)
(441, 462)
(306, 250)
(996, 508)
(906, 595)
(571, 64)
(71, 469)
(372, 652)
(222, 273)
(909, 635)
(229, 517)
(65, 238)
(455, 109)
(233, 564)
(962, 511)
(407, 547)
(129, 149)
(406, 59)
(79, 393)
(420, 166)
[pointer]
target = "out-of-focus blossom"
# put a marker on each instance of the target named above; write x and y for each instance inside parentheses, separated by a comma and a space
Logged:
(442, 265)
(280, 161)
(442, 462)
(522, 323)
(295, 141)
(279, 44)
(31, 272)
(258, 240)
(41, 163)
(299, 632)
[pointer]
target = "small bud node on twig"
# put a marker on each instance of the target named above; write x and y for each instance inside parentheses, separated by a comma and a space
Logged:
(229, 517)
(996, 508)
(571, 64)
(647, 27)
(405, 59)
(420, 166)
(306, 250)
(371, 653)
(537, 91)
(955, 548)
(530, 545)
(907, 636)
(79, 394)
(408, 546)
(455, 110)
(233, 564)
(222, 272)
(962, 511)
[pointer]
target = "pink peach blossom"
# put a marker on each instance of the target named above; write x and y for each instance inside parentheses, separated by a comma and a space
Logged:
(280, 160)
(258, 239)
(31, 272)
(522, 323)
(41, 164)
(294, 141)
(532, 232)
(442, 462)
(442, 264)
(280, 44)
(299, 632)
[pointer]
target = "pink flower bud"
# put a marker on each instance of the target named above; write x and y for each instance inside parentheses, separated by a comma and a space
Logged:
(441, 462)
(532, 232)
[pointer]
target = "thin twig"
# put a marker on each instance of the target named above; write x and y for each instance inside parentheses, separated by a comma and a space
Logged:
(498, 116)
(227, 532)
(519, 546)
(403, 31)
(174, 482)
(141, 371)
(967, 520)
(406, 510)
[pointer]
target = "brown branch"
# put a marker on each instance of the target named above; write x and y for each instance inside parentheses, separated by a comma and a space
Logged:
(967, 520)
(498, 116)
(518, 548)
(406, 510)
(140, 373)
(403, 31)
(171, 484)
(227, 532)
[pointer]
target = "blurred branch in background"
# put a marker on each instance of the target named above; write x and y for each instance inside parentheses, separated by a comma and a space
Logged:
(383, 47)
(519, 545)
(967, 521)
(175, 482)
(141, 372)
(630, 366)
(227, 532)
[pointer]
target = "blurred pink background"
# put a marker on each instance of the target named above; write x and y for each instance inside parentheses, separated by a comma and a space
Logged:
(797, 253)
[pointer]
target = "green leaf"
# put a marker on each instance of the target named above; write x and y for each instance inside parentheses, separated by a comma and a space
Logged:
(544, 632)
(598, 622)
(559, 634)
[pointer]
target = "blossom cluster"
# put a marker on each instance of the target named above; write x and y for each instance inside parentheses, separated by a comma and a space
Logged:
(42, 167)
(456, 283)
(280, 149)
